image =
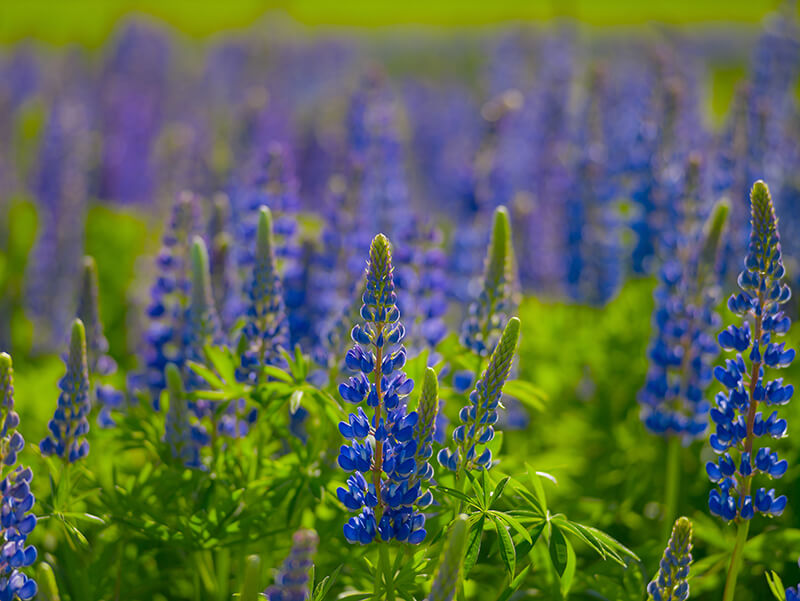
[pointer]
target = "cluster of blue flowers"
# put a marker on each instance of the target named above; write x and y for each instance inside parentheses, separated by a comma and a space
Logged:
(478, 417)
(672, 581)
(736, 418)
(683, 347)
(386, 481)
(70, 423)
(292, 581)
(169, 299)
(16, 521)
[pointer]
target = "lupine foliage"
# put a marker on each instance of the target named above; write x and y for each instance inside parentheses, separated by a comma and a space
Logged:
(548, 219)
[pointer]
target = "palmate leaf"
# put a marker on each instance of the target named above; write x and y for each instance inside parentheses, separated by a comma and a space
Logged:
(322, 589)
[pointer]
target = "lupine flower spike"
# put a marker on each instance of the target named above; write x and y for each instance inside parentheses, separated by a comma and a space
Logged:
(267, 329)
(445, 581)
(291, 583)
(738, 423)
(17, 499)
(672, 581)
(482, 328)
(478, 417)
(683, 347)
(184, 437)
(70, 423)
(385, 484)
(100, 363)
(202, 326)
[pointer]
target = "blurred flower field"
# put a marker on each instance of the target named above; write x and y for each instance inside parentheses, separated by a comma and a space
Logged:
(497, 312)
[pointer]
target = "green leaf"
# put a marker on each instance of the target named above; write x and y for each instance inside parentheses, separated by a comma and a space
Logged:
(222, 361)
(452, 492)
(526, 393)
(498, 490)
(776, 585)
(325, 586)
(277, 373)
(473, 545)
(538, 488)
(207, 374)
(507, 552)
(535, 533)
(515, 584)
(514, 523)
(295, 400)
(558, 550)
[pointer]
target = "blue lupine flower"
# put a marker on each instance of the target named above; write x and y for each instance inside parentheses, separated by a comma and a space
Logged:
(266, 331)
(164, 338)
(11, 441)
(292, 581)
(17, 499)
(672, 581)
(70, 423)
(17, 523)
(478, 418)
(481, 330)
(382, 454)
(100, 363)
(737, 421)
(683, 348)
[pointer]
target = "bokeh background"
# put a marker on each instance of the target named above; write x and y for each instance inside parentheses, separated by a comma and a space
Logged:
(109, 109)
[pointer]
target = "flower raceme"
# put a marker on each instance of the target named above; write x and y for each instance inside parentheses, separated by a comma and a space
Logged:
(736, 418)
(671, 583)
(387, 453)
(481, 329)
(70, 422)
(16, 499)
(266, 331)
(292, 581)
(478, 417)
(683, 346)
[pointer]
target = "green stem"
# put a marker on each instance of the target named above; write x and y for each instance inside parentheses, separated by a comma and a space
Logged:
(672, 485)
(736, 560)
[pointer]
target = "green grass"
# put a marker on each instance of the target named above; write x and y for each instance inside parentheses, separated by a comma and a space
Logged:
(90, 22)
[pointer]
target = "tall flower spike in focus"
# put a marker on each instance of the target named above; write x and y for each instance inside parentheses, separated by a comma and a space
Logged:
(481, 330)
(70, 425)
(384, 485)
(672, 581)
(738, 423)
(428, 411)
(17, 499)
(447, 575)
(266, 331)
(478, 417)
(292, 581)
